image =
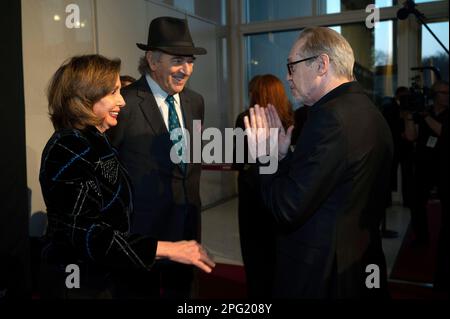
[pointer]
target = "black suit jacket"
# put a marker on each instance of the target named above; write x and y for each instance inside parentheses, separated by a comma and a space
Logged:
(328, 196)
(167, 200)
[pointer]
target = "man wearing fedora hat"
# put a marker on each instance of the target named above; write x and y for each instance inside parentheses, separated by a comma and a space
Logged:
(167, 198)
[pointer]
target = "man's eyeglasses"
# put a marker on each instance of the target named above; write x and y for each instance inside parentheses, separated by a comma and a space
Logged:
(291, 64)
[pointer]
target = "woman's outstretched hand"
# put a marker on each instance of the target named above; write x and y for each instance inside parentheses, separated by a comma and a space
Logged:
(186, 252)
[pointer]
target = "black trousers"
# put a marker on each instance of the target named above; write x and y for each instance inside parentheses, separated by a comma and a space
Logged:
(257, 238)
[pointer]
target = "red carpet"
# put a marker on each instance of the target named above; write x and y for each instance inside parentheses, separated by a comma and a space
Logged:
(412, 264)
(228, 282)
(225, 282)
(417, 264)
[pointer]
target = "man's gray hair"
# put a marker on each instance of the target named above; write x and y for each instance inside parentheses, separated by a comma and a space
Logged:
(143, 66)
(319, 40)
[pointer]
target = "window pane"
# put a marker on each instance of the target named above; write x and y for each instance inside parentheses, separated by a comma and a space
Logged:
(267, 53)
(269, 10)
(187, 5)
(335, 6)
(375, 57)
(211, 9)
(432, 52)
(423, 1)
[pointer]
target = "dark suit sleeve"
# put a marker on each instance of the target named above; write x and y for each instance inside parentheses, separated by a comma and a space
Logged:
(66, 178)
(307, 178)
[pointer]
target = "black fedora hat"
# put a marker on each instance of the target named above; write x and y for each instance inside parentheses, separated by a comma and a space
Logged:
(170, 35)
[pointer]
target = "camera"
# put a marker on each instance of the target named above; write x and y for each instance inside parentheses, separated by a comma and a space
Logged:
(416, 100)
(419, 97)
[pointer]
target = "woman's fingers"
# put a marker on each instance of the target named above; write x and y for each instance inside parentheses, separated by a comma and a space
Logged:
(205, 263)
(201, 258)
(203, 266)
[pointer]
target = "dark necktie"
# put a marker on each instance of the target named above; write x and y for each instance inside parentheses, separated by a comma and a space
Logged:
(174, 123)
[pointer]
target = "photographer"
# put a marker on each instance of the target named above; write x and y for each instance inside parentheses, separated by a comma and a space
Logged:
(424, 126)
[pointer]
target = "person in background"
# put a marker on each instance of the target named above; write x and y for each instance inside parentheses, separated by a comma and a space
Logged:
(252, 84)
(87, 190)
(126, 80)
(256, 227)
(424, 127)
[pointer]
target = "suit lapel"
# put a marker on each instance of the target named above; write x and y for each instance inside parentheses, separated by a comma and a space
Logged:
(187, 111)
(150, 108)
(186, 107)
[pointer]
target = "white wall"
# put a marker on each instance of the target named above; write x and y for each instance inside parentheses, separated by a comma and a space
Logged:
(46, 44)
(120, 25)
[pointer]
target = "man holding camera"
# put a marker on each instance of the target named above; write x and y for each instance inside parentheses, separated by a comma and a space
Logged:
(425, 129)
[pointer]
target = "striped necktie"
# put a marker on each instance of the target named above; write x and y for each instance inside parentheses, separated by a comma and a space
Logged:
(174, 123)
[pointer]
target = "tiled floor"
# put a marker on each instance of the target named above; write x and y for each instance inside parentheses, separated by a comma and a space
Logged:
(220, 233)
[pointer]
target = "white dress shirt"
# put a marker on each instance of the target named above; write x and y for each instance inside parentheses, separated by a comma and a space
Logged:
(160, 97)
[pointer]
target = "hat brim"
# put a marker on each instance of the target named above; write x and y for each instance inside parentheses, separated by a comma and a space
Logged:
(174, 50)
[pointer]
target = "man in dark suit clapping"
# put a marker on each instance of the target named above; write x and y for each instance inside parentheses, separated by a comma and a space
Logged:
(167, 200)
(328, 195)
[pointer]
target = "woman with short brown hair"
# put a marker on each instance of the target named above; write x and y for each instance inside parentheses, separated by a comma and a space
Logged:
(87, 191)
